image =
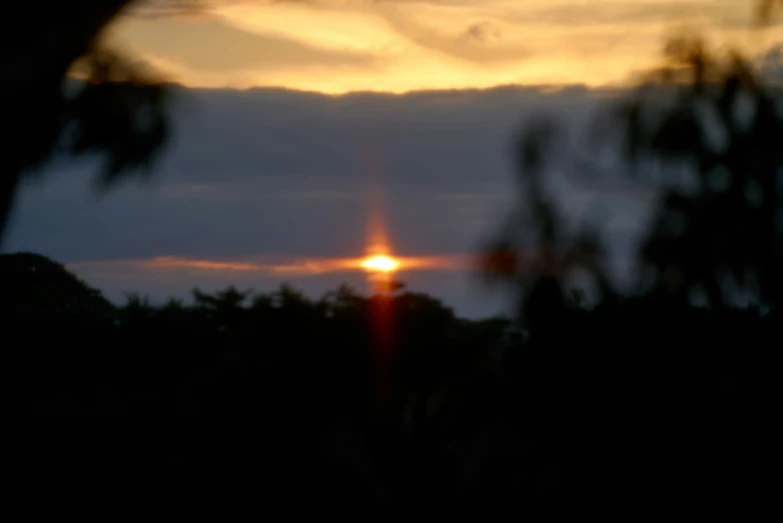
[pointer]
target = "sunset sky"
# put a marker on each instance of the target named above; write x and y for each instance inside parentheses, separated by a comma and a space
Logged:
(335, 46)
(288, 182)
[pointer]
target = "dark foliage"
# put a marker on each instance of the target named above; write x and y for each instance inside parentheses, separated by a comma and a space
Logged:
(116, 111)
(233, 397)
(646, 401)
(271, 399)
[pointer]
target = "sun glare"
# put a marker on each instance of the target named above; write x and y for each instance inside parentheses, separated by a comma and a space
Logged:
(380, 264)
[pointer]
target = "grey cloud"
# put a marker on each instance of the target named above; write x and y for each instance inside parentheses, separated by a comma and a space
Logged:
(268, 172)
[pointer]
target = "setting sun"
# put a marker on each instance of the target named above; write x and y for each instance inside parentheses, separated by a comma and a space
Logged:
(380, 264)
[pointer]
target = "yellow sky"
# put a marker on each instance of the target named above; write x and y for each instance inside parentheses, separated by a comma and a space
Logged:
(335, 46)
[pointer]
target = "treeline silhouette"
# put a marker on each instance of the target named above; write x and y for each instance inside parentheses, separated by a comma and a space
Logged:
(270, 399)
(233, 395)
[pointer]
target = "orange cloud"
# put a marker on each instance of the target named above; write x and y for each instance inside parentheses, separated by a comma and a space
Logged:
(177, 263)
(339, 46)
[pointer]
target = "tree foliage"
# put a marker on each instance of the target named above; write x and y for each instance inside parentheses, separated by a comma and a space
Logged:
(117, 110)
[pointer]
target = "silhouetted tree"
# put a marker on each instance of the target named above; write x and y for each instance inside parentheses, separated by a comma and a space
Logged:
(723, 230)
(531, 251)
(640, 391)
(117, 110)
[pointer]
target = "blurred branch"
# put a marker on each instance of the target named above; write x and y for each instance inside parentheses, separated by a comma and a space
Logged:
(766, 9)
(119, 110)
(698, 114)
(532, 253)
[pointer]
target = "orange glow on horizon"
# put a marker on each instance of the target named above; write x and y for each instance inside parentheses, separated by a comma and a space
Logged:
(380, 264)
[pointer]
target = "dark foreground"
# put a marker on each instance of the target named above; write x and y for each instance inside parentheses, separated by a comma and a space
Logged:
(273, 402)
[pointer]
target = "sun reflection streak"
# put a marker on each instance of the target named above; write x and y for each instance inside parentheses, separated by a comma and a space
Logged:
(379, 256)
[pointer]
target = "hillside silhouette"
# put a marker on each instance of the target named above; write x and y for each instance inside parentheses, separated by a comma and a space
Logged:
(35, 286)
